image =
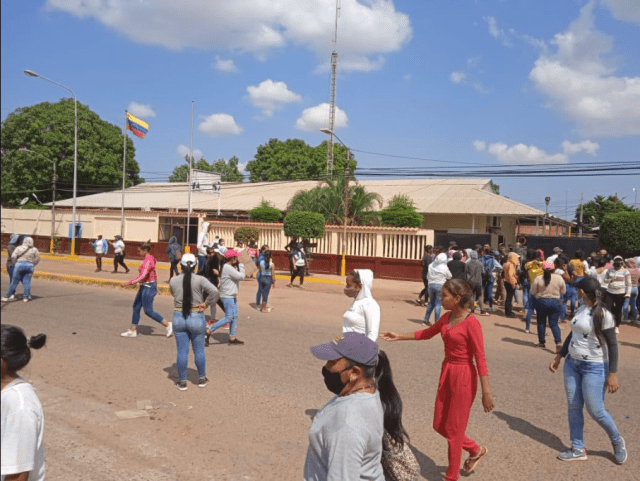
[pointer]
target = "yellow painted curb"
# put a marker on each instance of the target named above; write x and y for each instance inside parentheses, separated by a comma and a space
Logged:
(319, 280)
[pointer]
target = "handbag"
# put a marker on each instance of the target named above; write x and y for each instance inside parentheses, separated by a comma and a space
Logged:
(398, 461)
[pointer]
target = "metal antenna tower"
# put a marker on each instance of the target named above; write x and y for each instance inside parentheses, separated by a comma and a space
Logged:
(332, 95)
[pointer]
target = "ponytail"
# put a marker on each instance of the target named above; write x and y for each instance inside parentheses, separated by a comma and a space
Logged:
(16, 349)
(187, 295)
(547, 276)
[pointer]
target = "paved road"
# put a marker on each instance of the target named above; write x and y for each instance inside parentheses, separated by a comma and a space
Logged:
(252, 420)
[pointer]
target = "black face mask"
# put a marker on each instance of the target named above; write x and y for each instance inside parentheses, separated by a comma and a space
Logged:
(617, 264)
(332, 380)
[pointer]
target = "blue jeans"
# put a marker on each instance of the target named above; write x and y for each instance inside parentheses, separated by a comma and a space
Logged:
(10, 269)
(548, 309)
(630, 302)
(488, 293)
(435, 301)
(173, 268)
(584, 384)
(230, 315)
(259, 293)
(192, 329)
(144, 300)
(202, 260)
(570, 295)
(265, 283)
(22, 272)
(527, 302)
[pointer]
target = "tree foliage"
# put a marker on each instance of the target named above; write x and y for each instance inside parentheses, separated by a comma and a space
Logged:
(246, 233)
(595, 211)
(620, 233)
(266, 212)
(328, 199)
(304, 224)
(48, 130)
(228, 170)
(401, 212)
(293, 159)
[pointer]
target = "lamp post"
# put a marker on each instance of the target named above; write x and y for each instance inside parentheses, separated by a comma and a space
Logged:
(546, 216)
(31, 73)
(53, 206)
(347, 173)
(635, 198)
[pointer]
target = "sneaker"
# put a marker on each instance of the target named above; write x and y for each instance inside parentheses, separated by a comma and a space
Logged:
(527, 331)
(617, 331)
(540, 345)
(620, 451)
(26, 299)
(484, 313)
(426, 323)
(7, 299)
(573, 455)
(129, 333)
(236, 341)
(203, 382)
(181, 385)
(226, 326)
(170, 329)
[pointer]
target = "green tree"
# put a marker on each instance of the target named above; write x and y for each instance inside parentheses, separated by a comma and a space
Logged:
(401, 212)
(595, 210)
(304, 224)
(228, 170)
(293, 159)
(495, 188)
(266, 212)
(620, 232)
(48, 130)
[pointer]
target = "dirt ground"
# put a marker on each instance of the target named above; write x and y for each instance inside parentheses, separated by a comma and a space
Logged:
(251, 422)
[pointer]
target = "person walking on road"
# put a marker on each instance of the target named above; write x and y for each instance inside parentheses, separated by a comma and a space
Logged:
(266, 280)
(148, 280)
(346, 437)
(212, 272)
(363, 315)
(630, 308)
(119, 253)
(547, 291)
(463, 341)
(25, 258)
(203, 243)
(491, 265)
(22, 438)
(510, 282)
(230, 276)
(427, 259)
(474, 270)
(618, 280)
(100, 248)
(14, 241)
(438, 274)
(192, 294)
(299, 259)
(590, 367)
(174, 251)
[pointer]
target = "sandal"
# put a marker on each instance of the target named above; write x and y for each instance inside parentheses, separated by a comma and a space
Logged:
(473, 460)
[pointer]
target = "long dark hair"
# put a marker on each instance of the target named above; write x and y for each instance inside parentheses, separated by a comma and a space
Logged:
(16, 349)
(547, 276)
(389, 397)
(187, 296)
(591, 289)
(267, 258)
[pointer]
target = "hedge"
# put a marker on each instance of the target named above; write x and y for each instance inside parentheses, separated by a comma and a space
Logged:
(620, 233)
(304, 224)
(244, 234)
(401, 212)
(266, 212)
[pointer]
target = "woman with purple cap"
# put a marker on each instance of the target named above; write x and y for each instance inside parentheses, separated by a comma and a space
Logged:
(346, 438)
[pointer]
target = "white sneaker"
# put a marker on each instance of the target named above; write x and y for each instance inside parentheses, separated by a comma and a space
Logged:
(617, 331)
(170, 329)
(7, 299)
(26, 299)
(129, 333)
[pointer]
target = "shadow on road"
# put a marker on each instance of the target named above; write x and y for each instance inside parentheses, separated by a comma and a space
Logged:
(519, 342)
(311, 413)
(150, 331)
(630, 344)
(428, 468)
(537, 434)
(418, 321)
(509, 327)
(172, 373)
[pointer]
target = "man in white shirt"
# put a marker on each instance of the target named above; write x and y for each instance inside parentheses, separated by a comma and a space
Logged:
(556, 252)
(118, 258)
(100, 248)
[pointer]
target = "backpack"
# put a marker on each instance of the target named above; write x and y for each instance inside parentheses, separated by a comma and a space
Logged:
(488, 267)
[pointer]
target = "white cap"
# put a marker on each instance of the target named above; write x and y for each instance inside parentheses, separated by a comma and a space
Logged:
(188, 259)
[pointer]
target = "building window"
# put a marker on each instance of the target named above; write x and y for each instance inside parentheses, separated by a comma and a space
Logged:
(176, 226)
(494, 221)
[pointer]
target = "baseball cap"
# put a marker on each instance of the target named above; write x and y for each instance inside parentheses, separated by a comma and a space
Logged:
(188, 259)
(118, 236)
(557, 250)
(355, 346)
(548, 265)
(618, 257)
(229, 253)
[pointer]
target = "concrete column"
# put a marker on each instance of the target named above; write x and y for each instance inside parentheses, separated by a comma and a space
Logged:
(473, 224)
(379, 245)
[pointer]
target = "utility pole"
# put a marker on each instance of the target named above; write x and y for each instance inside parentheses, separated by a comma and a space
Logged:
(332, 96)
(187, 249)
(54, 181)
(347, 174)
(580, 222)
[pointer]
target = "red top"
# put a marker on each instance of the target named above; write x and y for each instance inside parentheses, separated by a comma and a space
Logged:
(461, 343)
(146, 271)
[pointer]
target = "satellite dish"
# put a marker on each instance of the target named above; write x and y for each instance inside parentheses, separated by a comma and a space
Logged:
(24, 201)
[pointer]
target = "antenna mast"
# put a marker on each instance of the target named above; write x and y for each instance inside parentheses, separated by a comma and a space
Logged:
(332, 96)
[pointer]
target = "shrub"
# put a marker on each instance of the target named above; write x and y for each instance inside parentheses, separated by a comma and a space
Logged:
(304, 224)
(401, 212)
(266, 212)
(244, 234)
(620, 232)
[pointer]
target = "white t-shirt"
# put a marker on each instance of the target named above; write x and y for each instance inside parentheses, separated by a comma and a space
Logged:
(585, 346)
(118, 246)
(22, 431)
(299, 259)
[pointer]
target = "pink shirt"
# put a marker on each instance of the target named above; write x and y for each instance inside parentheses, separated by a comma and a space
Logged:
(146, 271)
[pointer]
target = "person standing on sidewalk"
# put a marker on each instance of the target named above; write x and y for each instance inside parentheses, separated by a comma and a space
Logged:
(148, 280)
(618, 280)
(474, 270)
(192, 294)
(174, 251)
(299, 260)
(25, 258)
(590, 367)
(14, 241)
(119, 253)
(230, 276)
(22, 438)
(438, 274)
(363, 315)
(462, 336)
(510, 282)
(547, 290)
(100, 248)
(266, 280)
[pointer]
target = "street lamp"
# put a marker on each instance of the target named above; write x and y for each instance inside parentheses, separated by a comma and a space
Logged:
(53, 207)
(546, 215)
(635, 198)
(347, 172)
(30, 73)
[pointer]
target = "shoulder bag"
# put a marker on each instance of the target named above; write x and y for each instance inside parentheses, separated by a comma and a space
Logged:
(398, 461)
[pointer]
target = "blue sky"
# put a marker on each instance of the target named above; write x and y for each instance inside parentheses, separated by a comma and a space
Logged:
(489, 82)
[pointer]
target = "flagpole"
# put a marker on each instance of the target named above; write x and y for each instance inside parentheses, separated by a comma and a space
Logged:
(189, 179)
(124, 160)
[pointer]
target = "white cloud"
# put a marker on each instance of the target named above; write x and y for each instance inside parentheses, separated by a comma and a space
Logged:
(141, 110)
(530, 154)
(624, 10)
(183, 151)
(316, 118)
(366, 29)
(224, 65)
(458, 77)
(219, 125)
(408, 77)
(497, 33)
(270, 96)
(580, 81)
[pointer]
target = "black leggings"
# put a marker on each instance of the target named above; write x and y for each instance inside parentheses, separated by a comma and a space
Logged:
(424, 292)
(614, 304)
(119, 260)
(299, 272)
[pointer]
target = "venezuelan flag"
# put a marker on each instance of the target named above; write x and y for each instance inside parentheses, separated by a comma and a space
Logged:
(136, 126)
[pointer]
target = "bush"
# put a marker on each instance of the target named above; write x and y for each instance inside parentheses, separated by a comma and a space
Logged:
(266, 212)
(401, 212)
(244, 234)
(304, 224)
(620, 232)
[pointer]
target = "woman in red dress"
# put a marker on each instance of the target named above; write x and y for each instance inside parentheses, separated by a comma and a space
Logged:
(462, 336)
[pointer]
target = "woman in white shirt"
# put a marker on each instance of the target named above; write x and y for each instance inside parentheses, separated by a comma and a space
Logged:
(119, 253)
(364, 314)
(22, 417)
